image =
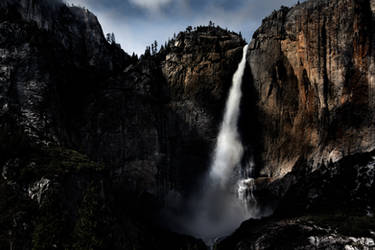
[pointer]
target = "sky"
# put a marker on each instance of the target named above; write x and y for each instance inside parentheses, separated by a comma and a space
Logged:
(137, 23)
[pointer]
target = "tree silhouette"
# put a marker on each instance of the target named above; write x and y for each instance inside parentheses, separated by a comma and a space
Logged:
(147, 51)
(113, 38)
(154, 47)
(108, 37)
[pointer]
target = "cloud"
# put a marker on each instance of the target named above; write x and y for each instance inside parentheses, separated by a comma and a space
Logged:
(137, 23)
(151, 5)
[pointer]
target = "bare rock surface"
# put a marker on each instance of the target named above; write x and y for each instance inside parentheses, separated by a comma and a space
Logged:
(313, 73)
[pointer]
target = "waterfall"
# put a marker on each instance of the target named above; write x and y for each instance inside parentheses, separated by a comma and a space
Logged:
(229, 149)
(226, 199)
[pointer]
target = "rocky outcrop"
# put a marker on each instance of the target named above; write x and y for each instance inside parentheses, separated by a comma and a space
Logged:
(312, 70)
(198, 67)
(331, 207)
(291, 234)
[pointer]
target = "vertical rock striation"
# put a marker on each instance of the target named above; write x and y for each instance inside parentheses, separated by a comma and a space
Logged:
(312, 68)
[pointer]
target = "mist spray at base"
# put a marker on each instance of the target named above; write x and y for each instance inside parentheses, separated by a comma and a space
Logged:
(226, 197)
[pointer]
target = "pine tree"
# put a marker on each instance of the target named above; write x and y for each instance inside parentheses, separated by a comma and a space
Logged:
(108, 37)
(147, 51)
(134, 57)
(155, 47)
(113, 39)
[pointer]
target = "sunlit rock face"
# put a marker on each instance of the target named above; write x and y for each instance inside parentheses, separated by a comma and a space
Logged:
(313, 73)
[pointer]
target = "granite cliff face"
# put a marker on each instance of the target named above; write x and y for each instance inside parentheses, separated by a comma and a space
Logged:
(144, 124)
(160, 137)
(40, 43)
(197, 67)
(312, 69)
(161, 101)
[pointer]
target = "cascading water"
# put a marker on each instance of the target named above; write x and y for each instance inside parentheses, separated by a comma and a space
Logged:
(226, 199)
(229, 149)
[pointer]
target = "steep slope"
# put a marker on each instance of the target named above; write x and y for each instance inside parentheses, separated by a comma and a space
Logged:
(313, 68)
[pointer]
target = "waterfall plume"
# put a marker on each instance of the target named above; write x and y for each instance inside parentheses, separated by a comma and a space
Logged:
(229, 150)
(226, 193)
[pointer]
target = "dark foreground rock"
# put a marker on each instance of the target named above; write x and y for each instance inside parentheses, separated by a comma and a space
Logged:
(329, 208)
(296, 233)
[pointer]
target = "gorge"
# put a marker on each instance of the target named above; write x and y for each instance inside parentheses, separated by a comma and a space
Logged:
(102, 150)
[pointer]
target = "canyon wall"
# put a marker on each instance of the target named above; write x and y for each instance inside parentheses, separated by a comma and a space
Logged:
(151, 121)
(88, 130)
(312, 67)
